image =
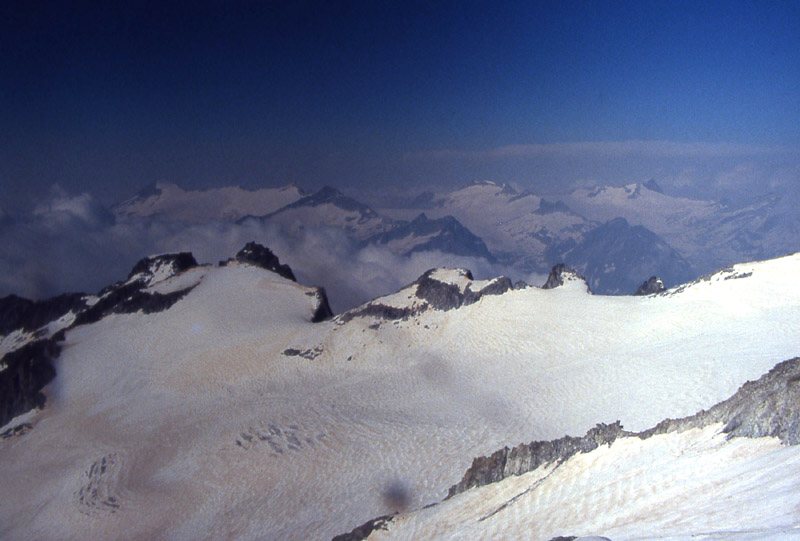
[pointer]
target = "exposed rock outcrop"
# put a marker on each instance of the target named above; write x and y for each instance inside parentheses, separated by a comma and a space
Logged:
(323, 310)
(359, 533)
(27, 370)
(446, 296)
(433, 294)
(263, 257)
(27, 315)
(652, 285)
(527, 457)
(157, 268)
(560, 274)
(129, 299)
(769, 406)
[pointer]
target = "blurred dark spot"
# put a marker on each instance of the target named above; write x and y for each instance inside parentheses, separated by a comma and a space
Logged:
(396, 495)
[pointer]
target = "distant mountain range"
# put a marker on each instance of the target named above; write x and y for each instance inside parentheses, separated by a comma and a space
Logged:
(616, 236)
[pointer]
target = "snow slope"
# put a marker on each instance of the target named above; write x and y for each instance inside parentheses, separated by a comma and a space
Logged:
(232, 415)
(688, 485)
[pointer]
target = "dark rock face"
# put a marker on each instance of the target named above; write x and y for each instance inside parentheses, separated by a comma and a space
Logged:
(28, 369)
(653, 186)
(380, 311)
(19, 313)
(652, 285)
(147, 267)
(527, 457)
(263, 257)
(129, 299)
(360, 533)
(557, 275)
(443, 296)
(769, 406)
(323, 311)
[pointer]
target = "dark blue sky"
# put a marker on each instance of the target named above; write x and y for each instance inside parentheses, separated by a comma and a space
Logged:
(368, 94)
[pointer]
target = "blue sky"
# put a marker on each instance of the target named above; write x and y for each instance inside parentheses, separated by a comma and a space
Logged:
(398, 95)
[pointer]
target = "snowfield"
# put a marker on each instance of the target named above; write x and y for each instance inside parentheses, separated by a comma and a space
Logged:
(231, 415)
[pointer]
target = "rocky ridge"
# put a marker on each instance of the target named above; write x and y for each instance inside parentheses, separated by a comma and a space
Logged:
(31, 331)
(767, 407)
(430, 293)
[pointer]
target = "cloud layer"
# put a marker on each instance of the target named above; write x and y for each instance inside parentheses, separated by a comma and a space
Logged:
(71, 243)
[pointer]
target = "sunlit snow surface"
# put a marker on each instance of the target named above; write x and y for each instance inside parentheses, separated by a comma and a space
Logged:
(690, 485)
(194, 422)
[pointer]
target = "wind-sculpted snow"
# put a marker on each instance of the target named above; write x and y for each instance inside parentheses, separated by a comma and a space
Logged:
(766, 408)
(232, 415)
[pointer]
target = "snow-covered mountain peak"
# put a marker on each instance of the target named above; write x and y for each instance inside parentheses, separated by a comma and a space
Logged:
(486, 187)
(437, 289)
(445, 234)
(328, 207)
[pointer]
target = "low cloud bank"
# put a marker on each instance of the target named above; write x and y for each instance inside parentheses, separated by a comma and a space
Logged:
(71, 243)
